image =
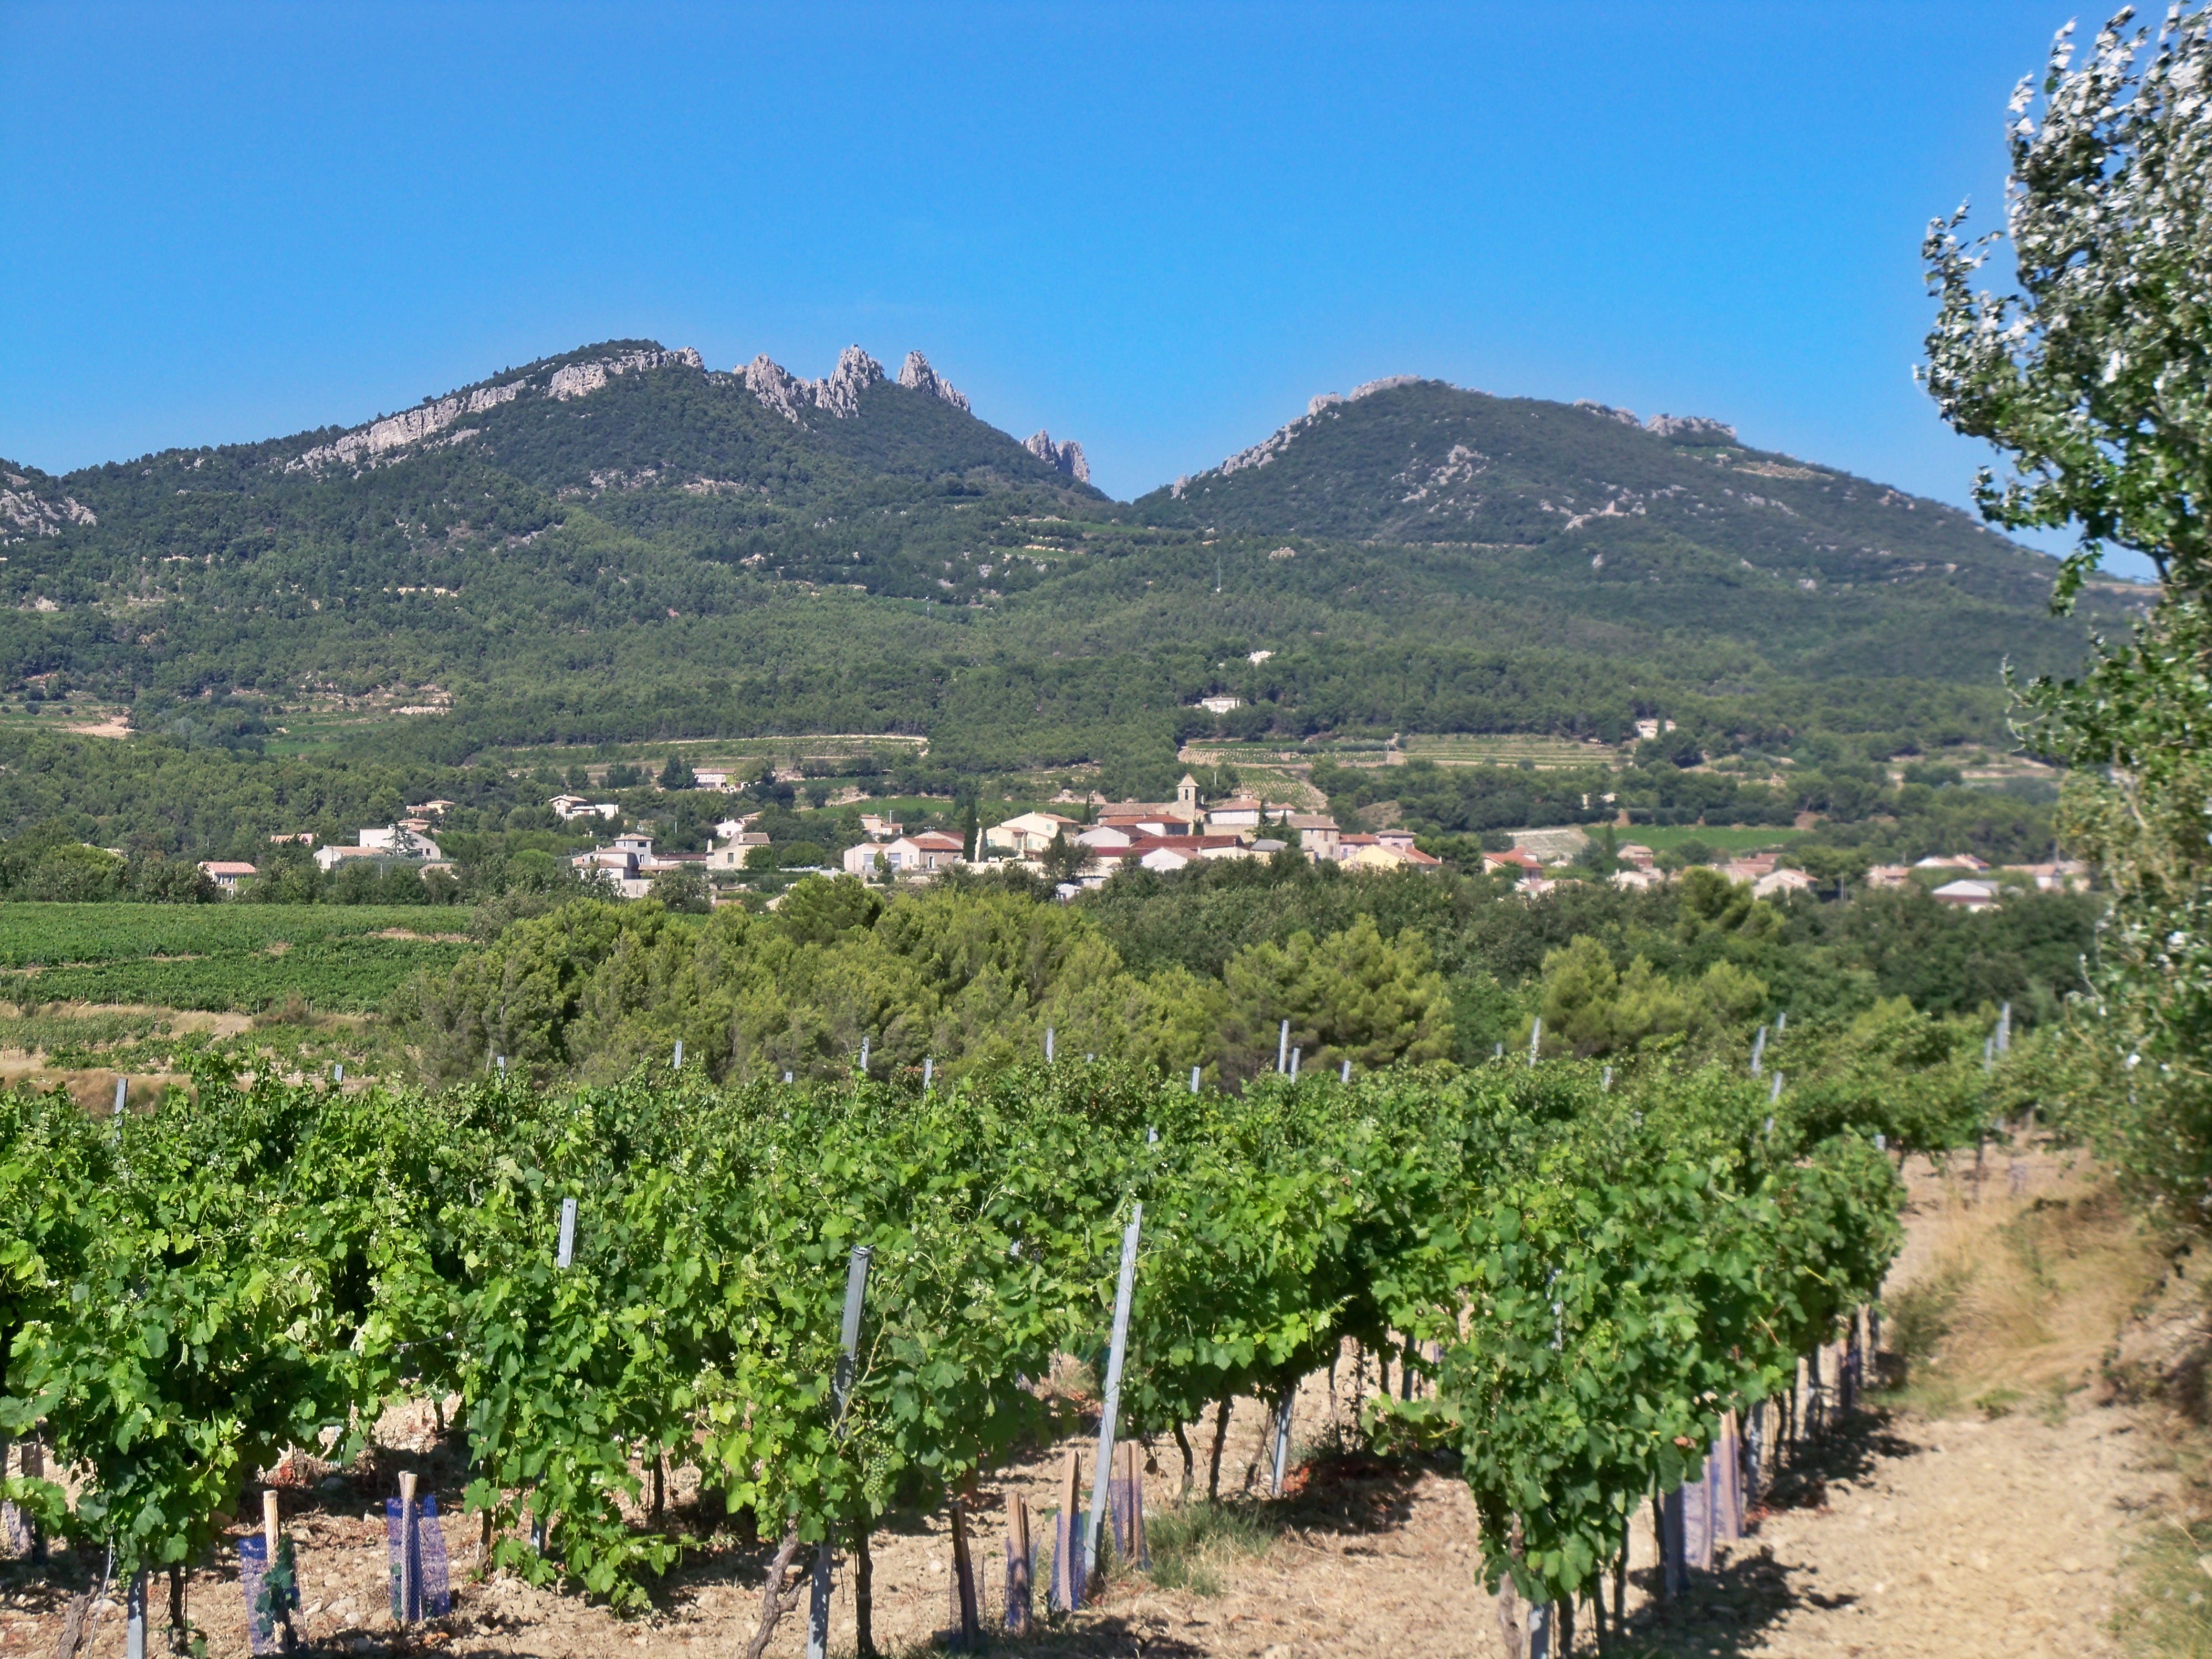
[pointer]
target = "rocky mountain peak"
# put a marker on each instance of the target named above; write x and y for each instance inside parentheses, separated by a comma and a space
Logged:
(1067, 458)
(778, 389)
(855, 373)
(916, 375)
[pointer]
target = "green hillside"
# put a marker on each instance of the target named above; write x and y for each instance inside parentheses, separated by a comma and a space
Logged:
(1823, 571)
(618, 544)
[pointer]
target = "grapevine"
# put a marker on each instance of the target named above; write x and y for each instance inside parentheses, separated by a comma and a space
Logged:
(1589, 1279)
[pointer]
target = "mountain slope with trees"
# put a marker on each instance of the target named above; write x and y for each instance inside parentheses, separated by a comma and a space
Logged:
(618, 543)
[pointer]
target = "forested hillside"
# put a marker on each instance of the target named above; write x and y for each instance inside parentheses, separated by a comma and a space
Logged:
(619, 544)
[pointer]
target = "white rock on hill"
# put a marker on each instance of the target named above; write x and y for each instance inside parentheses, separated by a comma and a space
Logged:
(24, 511)
(1696, 428)
(778, 389)
(1067, 456)
(855, 373)
(916, 375)
(412, 426)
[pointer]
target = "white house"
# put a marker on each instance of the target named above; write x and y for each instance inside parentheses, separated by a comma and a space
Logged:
(730, 853)
(227, 873)
(922, 854)
(1028, 832)
(1784, 881)
(862, 859)
(1967, 894)
(1221, 705)
(616, 863)
(1318, 835)
(568, 808)
(401, 842)
(392, 842)
(1242, 813)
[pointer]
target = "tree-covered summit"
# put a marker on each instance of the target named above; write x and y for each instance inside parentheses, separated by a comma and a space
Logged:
(618, 542)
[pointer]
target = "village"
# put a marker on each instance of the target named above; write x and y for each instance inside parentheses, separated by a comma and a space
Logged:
(1077, 853)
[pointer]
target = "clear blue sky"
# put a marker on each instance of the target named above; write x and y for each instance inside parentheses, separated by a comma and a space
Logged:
(1158, 230)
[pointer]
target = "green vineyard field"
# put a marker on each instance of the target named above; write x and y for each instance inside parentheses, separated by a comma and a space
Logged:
(219, 958)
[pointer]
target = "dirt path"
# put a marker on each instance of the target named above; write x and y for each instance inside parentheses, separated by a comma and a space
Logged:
(1899, 1534)
(1961, 1538)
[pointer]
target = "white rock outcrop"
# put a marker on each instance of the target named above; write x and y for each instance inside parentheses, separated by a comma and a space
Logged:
(410, 427)
(1626, 415)
(23, 512)
(1698, 428)
(916, 375)
(1066, 458)
(778, 389)
(1274, 445)
(855, 373)
(1367, 389)
(581, 379)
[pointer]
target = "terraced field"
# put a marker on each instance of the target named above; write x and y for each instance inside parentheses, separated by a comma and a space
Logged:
(1507, 749)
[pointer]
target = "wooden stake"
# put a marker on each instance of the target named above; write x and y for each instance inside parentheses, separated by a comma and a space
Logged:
(1018, 1564)
(410, 1592)
(271, 1531)
(1066, 1592)
(1128, 1504)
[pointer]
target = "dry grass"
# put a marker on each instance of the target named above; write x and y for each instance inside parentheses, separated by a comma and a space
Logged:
(2012, 1303)
(2169, 1613)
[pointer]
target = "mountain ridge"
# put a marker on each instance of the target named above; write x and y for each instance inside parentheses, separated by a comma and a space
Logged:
(620, 541)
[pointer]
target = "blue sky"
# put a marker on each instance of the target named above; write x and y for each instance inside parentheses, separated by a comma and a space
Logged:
(1156, 230)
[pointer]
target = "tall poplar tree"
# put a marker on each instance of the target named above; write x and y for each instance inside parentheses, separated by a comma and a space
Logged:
(2095, 378)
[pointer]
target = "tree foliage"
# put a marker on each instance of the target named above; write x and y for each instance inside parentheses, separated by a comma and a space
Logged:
(2095, 379)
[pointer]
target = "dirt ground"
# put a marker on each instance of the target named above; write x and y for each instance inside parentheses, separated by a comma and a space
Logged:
(1963, 1535)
